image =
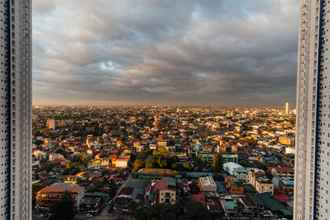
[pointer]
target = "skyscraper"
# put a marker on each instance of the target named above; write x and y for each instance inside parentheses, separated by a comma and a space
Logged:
(287, 110)
(51, 124)
(312, 169)
(15, 109)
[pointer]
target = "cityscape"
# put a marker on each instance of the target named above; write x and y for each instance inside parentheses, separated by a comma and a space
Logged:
(225, 163)
(160, 109)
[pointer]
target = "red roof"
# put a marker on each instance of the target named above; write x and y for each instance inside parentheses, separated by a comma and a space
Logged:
(284, 169)
(62, 187)
(199, 198)
(281, 197)
(159, 185)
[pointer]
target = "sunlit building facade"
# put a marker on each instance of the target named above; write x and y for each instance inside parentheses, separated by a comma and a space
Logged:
(312, 169)
(15, 109)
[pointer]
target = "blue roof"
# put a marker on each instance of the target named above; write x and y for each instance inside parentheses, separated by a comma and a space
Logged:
(220, 187)
(198, 174)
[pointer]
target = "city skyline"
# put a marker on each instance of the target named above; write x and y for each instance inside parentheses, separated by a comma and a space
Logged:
(163, 53)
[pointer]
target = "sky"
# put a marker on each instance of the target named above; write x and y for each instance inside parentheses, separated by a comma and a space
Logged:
(191, 52)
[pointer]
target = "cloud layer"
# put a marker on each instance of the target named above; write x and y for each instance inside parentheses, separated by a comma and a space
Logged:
(220, 52)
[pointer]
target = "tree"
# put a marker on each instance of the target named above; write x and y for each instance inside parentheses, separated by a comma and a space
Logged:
(138, 164)
(149, 162)
(217, 163)
(162, 162)
(193, 211)
(158, 212)
(60, 150)
(72, 168)
(196, 211)
(38, 142)
(48, 166)
(186, 166)
(64, 209)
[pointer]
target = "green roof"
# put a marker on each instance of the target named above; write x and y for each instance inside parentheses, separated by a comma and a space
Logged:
(249, 188)
(170, 181)
(286, 212)
(230, 204)
(266, 200)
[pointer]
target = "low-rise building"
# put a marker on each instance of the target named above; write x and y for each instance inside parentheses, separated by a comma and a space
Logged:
(162, 191)
(236, 170)
(284, 185)
(99, 163)
(282, 170)
(131, 192)
(229, 205)
(286, 140)
(236, 188)
(207, 184)
(93, 203)
(263, 184)
(56, 157)
(226, 158)
(121, 162)
(208, 158)
(138, 146)
(253, 174)
(290, 150)
(71, 179)
(54, 193)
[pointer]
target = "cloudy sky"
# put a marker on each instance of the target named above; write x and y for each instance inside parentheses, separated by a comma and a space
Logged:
(222, 52)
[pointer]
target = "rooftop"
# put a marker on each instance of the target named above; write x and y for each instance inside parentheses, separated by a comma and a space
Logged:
(208, 180)
(61, 188)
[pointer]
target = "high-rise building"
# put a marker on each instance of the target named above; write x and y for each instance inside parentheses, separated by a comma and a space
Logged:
(51, 124)
(15, 109)
(287, 110)
(89, 140)
(312, 169)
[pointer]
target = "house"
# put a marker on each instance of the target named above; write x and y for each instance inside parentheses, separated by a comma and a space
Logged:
(161, 191)
(199, 198)
(208, 158)
(138, 146)
(131, 192)
(56, 157)
(236, 170)
(99, 163)
(253, 174)
(229, 205)
(54, 193)
(207, 184)
(282, 170)
(263, 185)
(284, 185)
(93, 203)
(236, 188)
(157, 172)
(226, 158)
(71, 179)
(229, 181)
(121, 162)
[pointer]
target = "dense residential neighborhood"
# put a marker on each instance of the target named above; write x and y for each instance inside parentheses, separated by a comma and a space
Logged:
(149, 161)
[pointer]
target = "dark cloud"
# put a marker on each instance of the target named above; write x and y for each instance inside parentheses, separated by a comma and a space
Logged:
(190, 52)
